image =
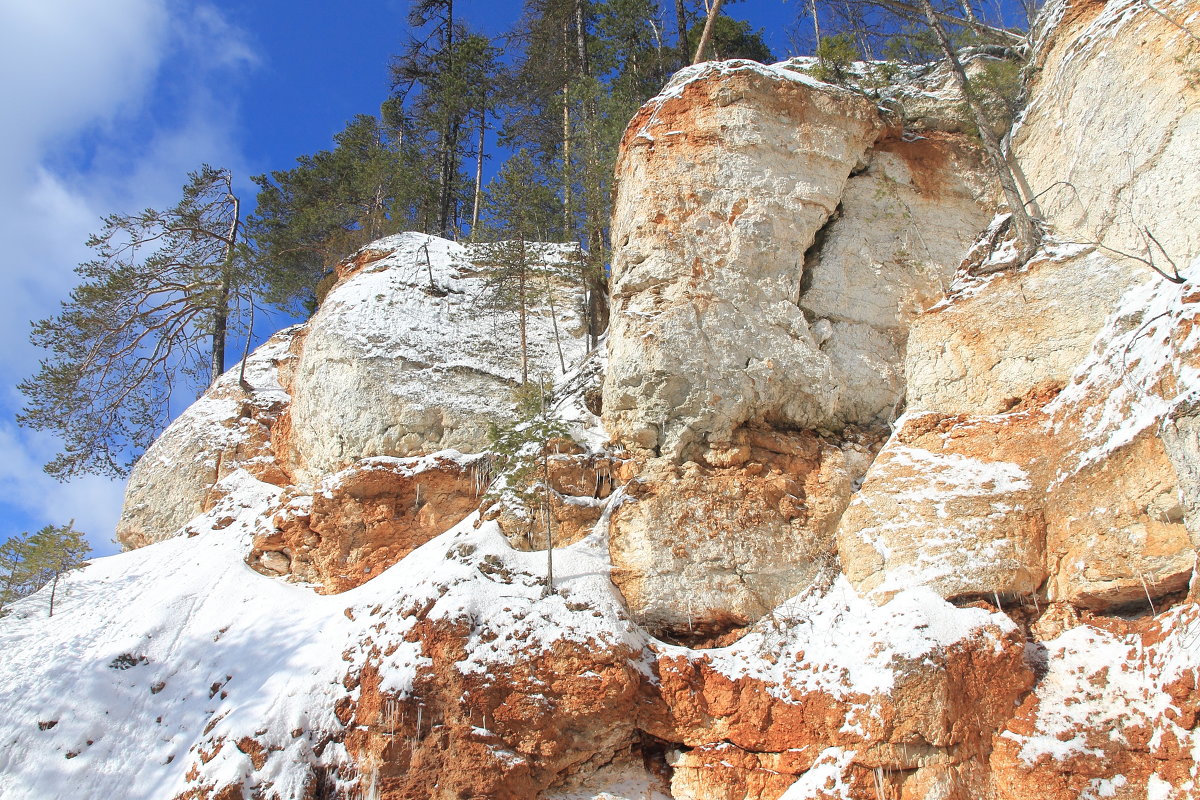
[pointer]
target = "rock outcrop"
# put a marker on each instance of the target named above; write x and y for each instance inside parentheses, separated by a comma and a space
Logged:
(861, 523)
(701, 551)
(735, 299)
(228, 429)
(407, 355)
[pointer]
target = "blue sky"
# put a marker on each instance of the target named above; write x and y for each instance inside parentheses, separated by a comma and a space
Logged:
(109, 104)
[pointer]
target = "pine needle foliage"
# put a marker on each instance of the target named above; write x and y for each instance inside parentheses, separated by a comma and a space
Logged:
(30, 561)
(150, 316)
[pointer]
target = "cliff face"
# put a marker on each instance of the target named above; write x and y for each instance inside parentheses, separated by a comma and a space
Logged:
(852, 522)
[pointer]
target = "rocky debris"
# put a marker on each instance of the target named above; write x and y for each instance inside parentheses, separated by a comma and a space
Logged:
(362, 520)
(228, 429)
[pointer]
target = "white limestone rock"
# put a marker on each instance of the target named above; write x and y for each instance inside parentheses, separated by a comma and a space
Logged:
(406, 356)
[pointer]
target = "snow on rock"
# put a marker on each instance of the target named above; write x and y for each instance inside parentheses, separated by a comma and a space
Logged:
(965, 526)
(1100, 521)
(1114, 716)
(992, 341)
(709, 231)
(754, 595)
(1109, 139)
(407, 355)
(361, 520)
(227, 429)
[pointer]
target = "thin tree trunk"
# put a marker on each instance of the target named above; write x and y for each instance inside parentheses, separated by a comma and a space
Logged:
(242, 382)
(554, 321)
(521, 299)
(220, 328)
(681, 32)
(221, 307)
(449, 135)
(708, 26)
(566, 145)
(816, 28)
(478, 175)
(590, 202)
(548, 589)
(1027, 237)
(53, 592)
(446, 179)
(585, 67)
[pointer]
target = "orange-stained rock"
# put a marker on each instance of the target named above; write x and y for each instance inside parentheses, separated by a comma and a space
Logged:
(1064, 493)
(1114, 716)
(366, 518)
(700, 549)
(506, 734)
(578, 483)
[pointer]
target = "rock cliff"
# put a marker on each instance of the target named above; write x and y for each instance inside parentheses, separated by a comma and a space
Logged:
(834, 514)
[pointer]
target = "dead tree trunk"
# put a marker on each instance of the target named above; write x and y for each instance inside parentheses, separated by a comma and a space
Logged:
(478, 175)
(1027, 235)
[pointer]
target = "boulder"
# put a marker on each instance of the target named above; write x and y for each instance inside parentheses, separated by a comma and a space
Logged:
(408, 355)
(229, 428)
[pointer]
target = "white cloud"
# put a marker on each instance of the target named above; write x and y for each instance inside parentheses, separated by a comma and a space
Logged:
(79, 63)
(93, 502)
(116, 102)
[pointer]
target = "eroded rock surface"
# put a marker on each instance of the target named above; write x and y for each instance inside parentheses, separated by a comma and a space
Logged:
(1123, 68)
(1007, 615)
(732, 301)
(702, 550)
(407, 356)
(362, 520)
(227, 429)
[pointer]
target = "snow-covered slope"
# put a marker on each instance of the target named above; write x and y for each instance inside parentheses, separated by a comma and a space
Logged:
(989, 594)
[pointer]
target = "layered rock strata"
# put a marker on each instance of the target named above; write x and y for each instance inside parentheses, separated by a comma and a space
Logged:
(723, 311)
(980, 590)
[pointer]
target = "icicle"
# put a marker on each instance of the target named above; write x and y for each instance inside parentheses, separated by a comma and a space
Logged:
(996, 595)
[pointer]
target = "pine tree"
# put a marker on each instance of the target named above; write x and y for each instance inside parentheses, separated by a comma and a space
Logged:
(440, 85)
(333, 202)
(30, 562)
(521, 207)
(153, 310)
